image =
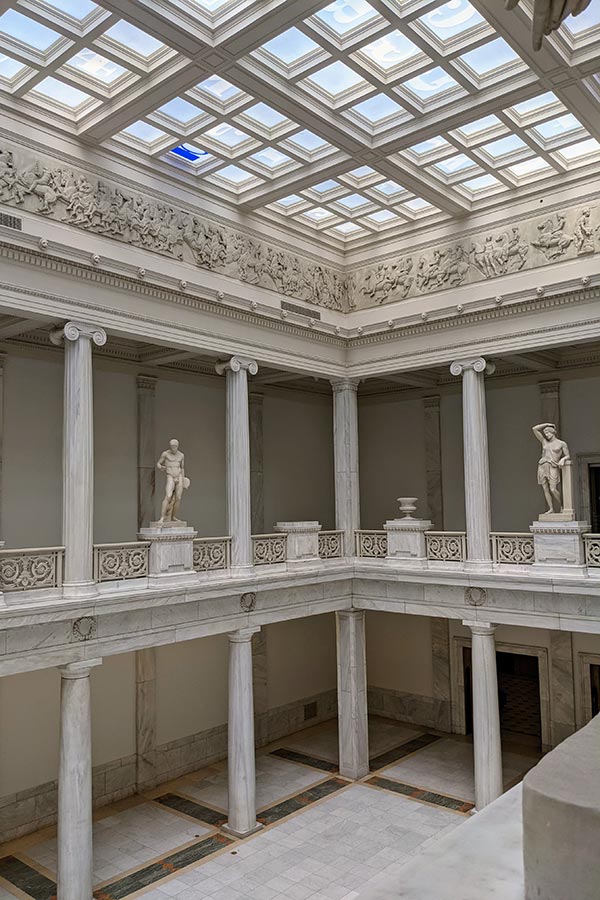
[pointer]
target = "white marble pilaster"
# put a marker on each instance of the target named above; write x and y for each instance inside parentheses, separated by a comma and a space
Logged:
(239, 517)
(550, 402)
(241, 766)
(487, 747)
(433, 461)
(145, 718)
(146, 453)
(257, 499)
(78, 455)
(75, 859)
(476, 458)
(352, 693)
(345, 449)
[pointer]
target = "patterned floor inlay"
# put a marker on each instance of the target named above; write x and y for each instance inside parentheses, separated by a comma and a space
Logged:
(26, 879)
(193, 809)
(408, 790)
(127, 885)
(305, 759)
(300, 801)
(396, 753)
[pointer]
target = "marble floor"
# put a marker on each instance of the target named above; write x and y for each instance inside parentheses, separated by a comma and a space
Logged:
(323, 837)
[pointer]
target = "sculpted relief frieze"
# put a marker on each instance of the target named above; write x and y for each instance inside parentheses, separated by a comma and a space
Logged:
(79, 199)
(501, 251)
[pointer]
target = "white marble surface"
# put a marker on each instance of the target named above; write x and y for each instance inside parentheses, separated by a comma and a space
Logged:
(128, 839)
(239, 517)
(352, 694)
(241, 807)
(74, 866)
(482, 859)
(322, 741)
(476, 458)
(487, 747)
(447, 767)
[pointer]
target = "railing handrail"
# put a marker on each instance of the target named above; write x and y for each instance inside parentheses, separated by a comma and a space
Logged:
(430, 531)
(370, 531)
(273, 534)
(24, 550)
(331, 531)
(225, 537)
(122, 544)
(590, 535)
(526, 534)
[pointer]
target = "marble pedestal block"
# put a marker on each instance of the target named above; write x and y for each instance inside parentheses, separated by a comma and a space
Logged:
(559, 545)
(171, 558)
(406, 540)
(302, 541)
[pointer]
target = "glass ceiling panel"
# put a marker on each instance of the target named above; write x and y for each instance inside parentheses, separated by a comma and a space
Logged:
(61, 93)
(219, 88)
(378, 107)
(558, 127)
(134, 39)
(336, 78)
(290, 46)
(181, 110)
(451, 19)
(77, 9)
(96, 66)
(265, 115)
(9, 68)
(431, 83)
(490, 56)
(390, 51)
(27, 31)
(345, 16)
(588, 18)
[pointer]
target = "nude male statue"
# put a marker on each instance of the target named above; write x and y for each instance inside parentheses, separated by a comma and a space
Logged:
(555, 454)
(172, 462)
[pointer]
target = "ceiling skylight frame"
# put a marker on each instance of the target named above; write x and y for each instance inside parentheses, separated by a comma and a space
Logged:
(130, 58)
(442, 98)
(353, 213)
(407, 68)
(476, 196)
(223, 108)
(267, 133)
(39, 59)
(19, 80)
(267, 172)
(380, 126)
(561, 140)
(63, 21)
(239, 189)
(363, 32)
(184, 130)
(341, 100)
(197, 169)
(293, 70)
(472, 170)
(321, 197)
(360, 183)
(71, 113)
(94, 86)
(484, 136)
(459, 43)
(509, 158)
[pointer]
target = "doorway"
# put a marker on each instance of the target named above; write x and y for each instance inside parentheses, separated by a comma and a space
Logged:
(595, 688)
(518, 695)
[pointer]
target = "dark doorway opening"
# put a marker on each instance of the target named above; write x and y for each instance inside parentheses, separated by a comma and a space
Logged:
(594, 476)
(518, 694)
(595, 686)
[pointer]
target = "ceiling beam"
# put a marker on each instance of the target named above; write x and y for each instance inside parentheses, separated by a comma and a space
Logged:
(15, 326)
(165, 357)
(412, 379)
(540, 361)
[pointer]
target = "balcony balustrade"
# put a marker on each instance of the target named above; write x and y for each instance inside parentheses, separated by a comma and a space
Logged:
(119, 562)
(331, 544)
(514, 548)
(269, 549)
(212, 553)
(371, 544)
(30, 569)
(591, 543)
(446, 546)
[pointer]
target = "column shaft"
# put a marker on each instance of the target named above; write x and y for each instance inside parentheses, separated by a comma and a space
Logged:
(257, 500)
(345, 448)
(78, 455)
(145, 717)
(239, 520)
(487, 746)
(240, 757)
(75, 860)
(352, 693)
(476, 458)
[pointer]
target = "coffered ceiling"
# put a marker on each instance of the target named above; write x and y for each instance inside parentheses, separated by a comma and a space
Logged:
(352, 120)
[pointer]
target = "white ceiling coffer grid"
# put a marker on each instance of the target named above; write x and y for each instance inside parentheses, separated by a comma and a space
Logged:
(352, 121)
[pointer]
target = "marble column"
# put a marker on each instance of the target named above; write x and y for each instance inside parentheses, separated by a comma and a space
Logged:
(345, 449)
(75, 860)
(241, 767)
(145, 718)
(352, 693)
(78, 455)
(550, 402)
(146, 453)
(257, 500)
(487, 747)
(433, 461)
(476, 459)
(239, 519)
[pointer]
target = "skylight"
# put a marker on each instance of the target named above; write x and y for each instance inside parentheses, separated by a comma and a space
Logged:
(219, 88)
(391, 51)
(336, 79)
(77, 9)
(345, 16)
(181, 110)
(61, 93)
(227, 135)
(290, 46)
(9, 68)
(431, 83)
(265, 115)
(490, 56)
(144, 132)
(24, 30)
(451, 19)
(96, 66)
(378, 107)
(134, 39)
(234, 174)
(504, 146)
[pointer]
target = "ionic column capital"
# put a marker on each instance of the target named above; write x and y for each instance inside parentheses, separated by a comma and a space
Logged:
(237, 364)
(242, 635)
(146, 383)
(344, 384)
(485, 628)
(72, 331)
(477, 363)
(80, 669)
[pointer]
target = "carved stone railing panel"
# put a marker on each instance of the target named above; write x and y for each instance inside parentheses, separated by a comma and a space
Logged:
(80, 199)
(331, 544)
(269, 549)
(537, 241)
(591, 542)
(512, 548)
(118, 562)
(27, 570)
(212, 553)
(371, 544)
(446, 546)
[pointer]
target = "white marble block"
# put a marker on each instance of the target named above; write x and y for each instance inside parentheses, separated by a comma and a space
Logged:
(406, 540)
(302, 541)
(171, 557)
(558, 545)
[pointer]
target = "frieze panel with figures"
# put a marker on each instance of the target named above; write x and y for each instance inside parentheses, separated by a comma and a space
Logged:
(536, 242)
(91, 203)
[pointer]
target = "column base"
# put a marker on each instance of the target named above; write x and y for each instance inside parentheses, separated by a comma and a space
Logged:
(242, 834)
(79, 590)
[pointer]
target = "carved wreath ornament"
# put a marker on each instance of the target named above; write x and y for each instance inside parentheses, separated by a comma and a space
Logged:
(475, 596)
(248, 601)
(84, 628)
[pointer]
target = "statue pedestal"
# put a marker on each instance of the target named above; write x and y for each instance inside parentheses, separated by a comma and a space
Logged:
(171, 559)
(558, 544)
(406, 541)
(302, 542)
